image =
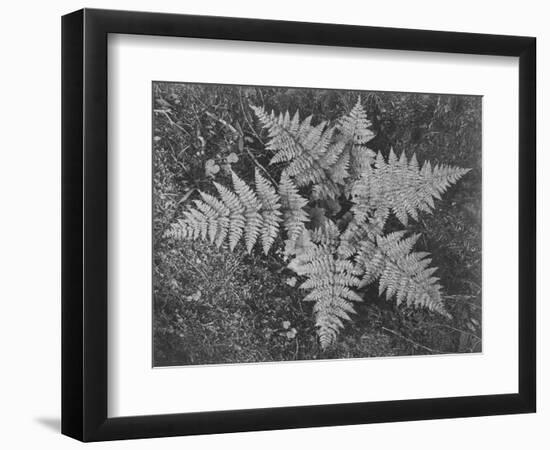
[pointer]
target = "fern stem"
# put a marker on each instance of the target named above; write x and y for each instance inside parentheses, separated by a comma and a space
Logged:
(223, 122)
(262, 168)
(248, 122)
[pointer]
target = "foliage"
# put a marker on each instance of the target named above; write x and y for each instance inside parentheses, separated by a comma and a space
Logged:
(334, 200)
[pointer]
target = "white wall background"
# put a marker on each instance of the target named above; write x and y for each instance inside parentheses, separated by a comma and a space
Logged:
(30, 225)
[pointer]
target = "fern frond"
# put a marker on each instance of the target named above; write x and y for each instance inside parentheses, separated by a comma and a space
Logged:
(286, 136)
(307, 149)
(403, 275)
(240, 213)
(402, 187)
(331, 281)
(355, 127)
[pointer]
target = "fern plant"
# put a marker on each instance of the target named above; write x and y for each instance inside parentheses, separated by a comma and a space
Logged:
(331, 209)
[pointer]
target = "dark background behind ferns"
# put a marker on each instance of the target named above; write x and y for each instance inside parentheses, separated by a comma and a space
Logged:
(217, 306)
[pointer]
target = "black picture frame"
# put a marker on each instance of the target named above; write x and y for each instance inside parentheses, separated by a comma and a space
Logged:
(84, 224)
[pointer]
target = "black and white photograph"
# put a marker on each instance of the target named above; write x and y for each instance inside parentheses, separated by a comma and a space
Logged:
(294, 224)
(276, 225)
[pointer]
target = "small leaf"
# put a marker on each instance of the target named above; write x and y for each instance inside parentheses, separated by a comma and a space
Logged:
(318, 217)
(291, 281)
(333, 206)
(193, 297)
(232, 158)
(211, 168)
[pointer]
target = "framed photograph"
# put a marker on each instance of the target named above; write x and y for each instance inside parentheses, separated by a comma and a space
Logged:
(273, 225)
